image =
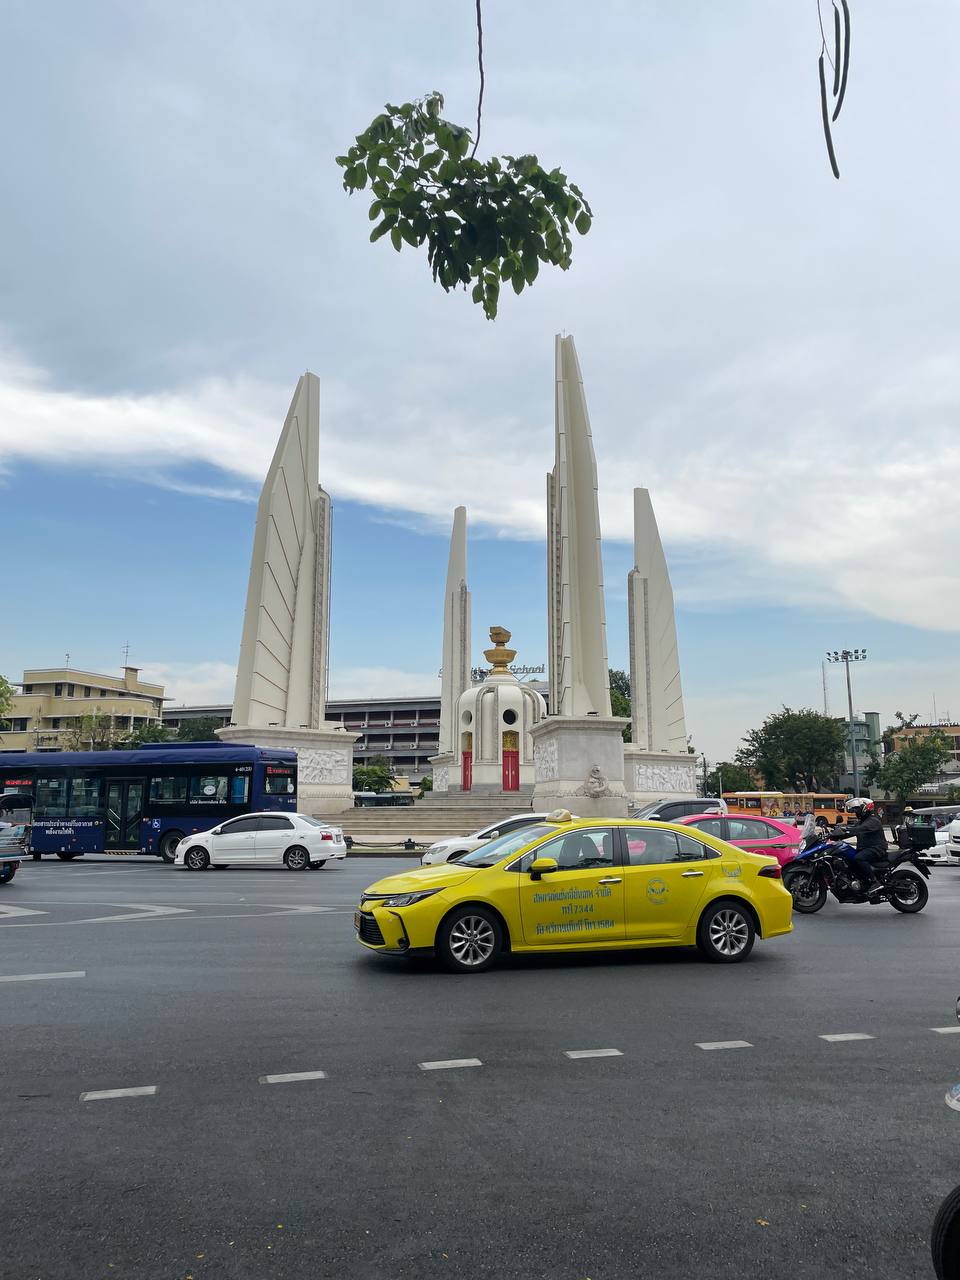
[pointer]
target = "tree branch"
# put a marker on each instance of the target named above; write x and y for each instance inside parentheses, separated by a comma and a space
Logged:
(476, 141)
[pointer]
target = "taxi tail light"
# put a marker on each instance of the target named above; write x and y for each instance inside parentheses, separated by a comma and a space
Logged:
(326, 835)
(772, 873)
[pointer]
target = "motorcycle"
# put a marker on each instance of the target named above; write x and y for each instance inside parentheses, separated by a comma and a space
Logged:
(827, 866)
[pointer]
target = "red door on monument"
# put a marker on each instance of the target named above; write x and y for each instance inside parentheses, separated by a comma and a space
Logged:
(511, 770)
(467, 770)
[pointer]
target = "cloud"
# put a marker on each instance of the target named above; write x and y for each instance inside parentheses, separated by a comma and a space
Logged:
(382, 682)
(763, 485)
(193, 684)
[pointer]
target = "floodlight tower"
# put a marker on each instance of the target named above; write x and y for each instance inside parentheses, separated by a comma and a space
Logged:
(846, 656)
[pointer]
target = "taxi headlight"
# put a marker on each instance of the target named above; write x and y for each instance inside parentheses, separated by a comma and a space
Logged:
(407, 899)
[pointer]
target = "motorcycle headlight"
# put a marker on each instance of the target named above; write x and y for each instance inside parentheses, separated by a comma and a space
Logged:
(407, 899)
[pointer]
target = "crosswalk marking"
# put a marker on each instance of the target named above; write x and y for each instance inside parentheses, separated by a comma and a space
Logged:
(725, 1044)
(846, 1035)
(593, 1053)
(287, 1077)
(37, 977)
(448, 1063)
(97, 1095)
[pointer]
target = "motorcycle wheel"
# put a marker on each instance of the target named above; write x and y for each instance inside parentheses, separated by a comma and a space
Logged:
(945, 1238)
(808, 891)
(908, 893)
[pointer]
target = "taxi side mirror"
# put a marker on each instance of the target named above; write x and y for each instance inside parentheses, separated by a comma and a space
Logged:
(542, 867)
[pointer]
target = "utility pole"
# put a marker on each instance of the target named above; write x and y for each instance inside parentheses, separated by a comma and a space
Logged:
(846, 656)
(826, 701)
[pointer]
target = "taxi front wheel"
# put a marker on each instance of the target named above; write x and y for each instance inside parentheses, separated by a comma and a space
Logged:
(726, 933)
(470, 940)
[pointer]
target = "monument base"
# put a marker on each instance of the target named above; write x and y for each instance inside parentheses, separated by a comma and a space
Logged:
(659, 775)
(324, 762)
(578, 765)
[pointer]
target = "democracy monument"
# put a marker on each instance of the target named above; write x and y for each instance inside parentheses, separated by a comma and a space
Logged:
(498, 738)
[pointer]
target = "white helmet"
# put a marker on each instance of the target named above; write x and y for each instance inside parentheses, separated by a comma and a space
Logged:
(860, 804)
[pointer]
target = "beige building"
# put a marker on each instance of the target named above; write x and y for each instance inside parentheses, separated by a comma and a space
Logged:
(60, 709)
(951, 732)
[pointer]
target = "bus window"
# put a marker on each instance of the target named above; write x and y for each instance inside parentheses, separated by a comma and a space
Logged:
(240, 789)
(209, 788)
(85, 797)
(51, 801)
(278, 782)
(169, 790)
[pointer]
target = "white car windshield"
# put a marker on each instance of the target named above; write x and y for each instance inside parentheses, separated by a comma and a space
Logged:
(497, 850)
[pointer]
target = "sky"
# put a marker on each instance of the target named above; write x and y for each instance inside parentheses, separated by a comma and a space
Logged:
(772, 353)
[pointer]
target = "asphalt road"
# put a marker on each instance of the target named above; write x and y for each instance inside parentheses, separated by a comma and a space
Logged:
(792, 1155)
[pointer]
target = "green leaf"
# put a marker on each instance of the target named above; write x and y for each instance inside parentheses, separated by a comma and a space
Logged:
(395, 237)
(583, 223)
(477, 293)
(383, 227)
(374, 212)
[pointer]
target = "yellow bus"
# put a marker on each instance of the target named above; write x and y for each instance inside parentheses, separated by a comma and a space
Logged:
(778, 804)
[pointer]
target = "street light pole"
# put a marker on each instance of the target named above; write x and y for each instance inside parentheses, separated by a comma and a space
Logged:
(846, 656)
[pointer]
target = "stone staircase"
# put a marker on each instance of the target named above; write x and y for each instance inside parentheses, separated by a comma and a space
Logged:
(427, 821)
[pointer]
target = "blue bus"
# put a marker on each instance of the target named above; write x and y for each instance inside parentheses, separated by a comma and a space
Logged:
(143, 801)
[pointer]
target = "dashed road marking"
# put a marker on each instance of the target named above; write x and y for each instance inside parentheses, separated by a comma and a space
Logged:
(6, 912)
(946, 1031)
(592, 1053)
(288, 1077)
(725, 1044)
(449, 1063)
(97, 1095)
(846, 1035)
(37, 977)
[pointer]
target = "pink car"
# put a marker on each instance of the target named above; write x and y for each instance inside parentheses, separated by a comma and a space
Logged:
(758, 835)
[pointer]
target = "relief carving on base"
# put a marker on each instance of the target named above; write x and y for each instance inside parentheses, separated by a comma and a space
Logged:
(595, 785)
(318, 766)
(546, 760)
(441, 778)
(664, 778)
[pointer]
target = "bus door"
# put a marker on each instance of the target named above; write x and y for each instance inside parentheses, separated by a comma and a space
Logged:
(124, 813)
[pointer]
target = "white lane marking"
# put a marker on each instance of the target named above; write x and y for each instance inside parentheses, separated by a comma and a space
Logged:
(288, 1076)
(36, 977)
(6, 911)
(725, 1044)
(450, 1062)
(592, 1053)
(142, 912)
(952, 1097)
(95, 1095)
(946, 1031)
(846, 1035)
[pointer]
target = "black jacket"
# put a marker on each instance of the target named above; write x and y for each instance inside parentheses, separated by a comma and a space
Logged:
(869, 833)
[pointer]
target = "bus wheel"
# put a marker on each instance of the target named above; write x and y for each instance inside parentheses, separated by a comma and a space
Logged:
(297, 859)
(197, 859)
(66, 857)
(167, 847)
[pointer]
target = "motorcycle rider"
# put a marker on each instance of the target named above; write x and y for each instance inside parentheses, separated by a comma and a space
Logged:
(871, 842)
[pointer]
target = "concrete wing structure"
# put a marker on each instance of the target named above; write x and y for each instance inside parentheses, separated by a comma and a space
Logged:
(655, 690)
(455, 673)
(282, 673)
(579, 676)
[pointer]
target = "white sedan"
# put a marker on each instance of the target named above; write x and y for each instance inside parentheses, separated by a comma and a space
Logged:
(457, 846)
(292, 840)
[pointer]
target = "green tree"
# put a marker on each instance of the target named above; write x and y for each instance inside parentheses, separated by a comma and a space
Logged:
(379, 761)
(202, 729)
(7, 694)
(95, 732)
(903, 773)
(890, 732)
(483, 222)
(372, 778)
(729, 776)
(149, 732)
(620, 703)
(426, 784)
(795, 750)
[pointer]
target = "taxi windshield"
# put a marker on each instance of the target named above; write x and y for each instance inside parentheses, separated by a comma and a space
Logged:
(494, 851)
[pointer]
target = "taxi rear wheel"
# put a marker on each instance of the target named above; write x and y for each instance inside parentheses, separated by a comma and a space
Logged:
(726, 932)
(470, 940)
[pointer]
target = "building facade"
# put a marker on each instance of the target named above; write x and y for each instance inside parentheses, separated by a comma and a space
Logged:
(406, 731)
(866, 742)
(61, 708)
(949, 731)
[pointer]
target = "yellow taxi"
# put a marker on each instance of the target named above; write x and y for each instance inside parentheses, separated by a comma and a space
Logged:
(580, 885)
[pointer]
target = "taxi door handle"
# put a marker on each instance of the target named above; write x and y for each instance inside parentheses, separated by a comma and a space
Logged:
(684, 874)
(612, 880)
